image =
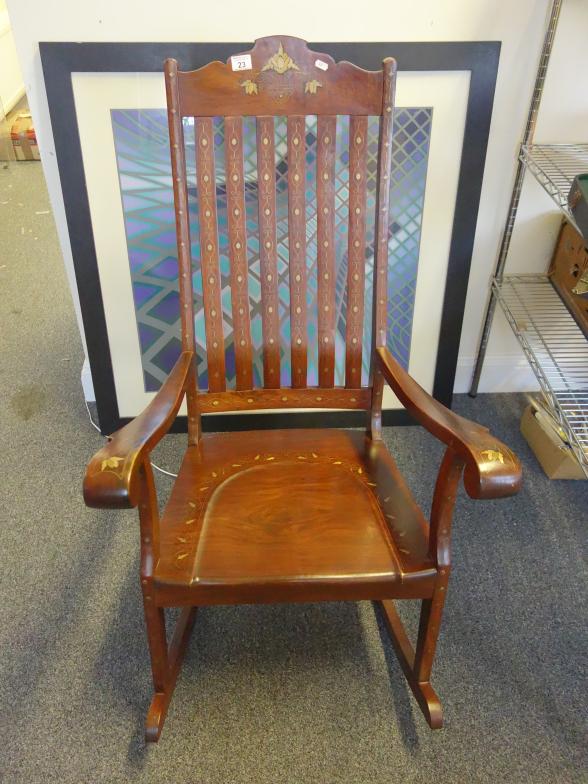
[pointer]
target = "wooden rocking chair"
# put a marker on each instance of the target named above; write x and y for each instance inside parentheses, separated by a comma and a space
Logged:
(288, 515)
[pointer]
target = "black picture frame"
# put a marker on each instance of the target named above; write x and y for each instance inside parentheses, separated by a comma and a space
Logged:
(60, 60)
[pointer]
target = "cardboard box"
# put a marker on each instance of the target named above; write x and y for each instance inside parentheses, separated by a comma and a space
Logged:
(578, 201)
(568, 273)
(555, 456)
(24, 138)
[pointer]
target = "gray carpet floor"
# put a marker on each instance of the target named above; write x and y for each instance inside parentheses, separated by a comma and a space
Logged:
(267, 694)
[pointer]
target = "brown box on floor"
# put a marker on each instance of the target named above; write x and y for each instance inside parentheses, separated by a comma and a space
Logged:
(24, 138)
(554, 455)
(568, 272)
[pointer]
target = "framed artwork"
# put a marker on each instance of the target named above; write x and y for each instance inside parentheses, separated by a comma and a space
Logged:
(107, 104)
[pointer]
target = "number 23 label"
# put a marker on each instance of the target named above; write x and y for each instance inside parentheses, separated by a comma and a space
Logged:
(241, 62)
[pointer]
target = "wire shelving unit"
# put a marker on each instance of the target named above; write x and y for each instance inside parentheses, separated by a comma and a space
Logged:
(554, 344)
(554, 166)
(556, 349)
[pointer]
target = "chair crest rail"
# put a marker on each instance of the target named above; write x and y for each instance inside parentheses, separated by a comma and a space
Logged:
(280, 75)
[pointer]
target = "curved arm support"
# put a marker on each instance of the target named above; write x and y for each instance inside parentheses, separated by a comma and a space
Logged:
(112, 476)
(491, 469)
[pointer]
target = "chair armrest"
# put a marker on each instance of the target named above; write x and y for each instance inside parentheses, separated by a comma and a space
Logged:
(491, 469)
(111, 476)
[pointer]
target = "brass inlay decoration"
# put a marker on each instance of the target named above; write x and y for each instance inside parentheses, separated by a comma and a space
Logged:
(110, 463)
(312, 86)
(581, 286)
(280, 62)
(493, 455)
(250, 87)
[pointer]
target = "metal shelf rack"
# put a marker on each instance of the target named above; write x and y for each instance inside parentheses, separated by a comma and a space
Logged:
(554, 166)
(556, 349)
(554, 345)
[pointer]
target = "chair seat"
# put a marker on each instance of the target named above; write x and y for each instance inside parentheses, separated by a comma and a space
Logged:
(290, 515)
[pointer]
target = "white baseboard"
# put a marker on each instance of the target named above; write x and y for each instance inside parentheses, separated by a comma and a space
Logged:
(501, 374)
(87, 383)
(505, 373)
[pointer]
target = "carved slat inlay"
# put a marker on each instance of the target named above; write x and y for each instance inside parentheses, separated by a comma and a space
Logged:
(358, 129)
(211, 283)
(268, 252)
(238, 250)
(325, 188)
(297, 247)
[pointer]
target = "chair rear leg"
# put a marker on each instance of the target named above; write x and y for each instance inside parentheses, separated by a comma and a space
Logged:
(165, 663)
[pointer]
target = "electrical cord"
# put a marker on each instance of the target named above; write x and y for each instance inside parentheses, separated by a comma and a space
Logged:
(153, 465)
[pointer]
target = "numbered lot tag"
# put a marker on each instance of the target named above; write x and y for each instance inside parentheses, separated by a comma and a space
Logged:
(321, 64)
(241, 62)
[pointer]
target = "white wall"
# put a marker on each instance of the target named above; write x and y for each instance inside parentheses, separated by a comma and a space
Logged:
(563, 117)
(11, 81)
(520, 26)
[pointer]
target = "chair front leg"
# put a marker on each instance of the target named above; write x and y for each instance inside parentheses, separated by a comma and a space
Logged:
(157, 641)
(444, 497)
(417, 665)
(154, 616)
(165, 662)
(428, 634)
(423, 691)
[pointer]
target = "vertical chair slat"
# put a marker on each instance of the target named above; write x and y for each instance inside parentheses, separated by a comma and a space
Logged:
(178, 165)
(358, 129)
(268, 252)
(211, 282)
(297, 247)
(383, 205)
(235, 185)
(380, 287)
(325, 194)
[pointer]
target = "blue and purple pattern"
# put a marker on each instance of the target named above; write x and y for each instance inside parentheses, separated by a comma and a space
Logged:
(142, 152)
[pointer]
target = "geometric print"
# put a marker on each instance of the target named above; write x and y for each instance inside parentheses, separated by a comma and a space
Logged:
(142, 154)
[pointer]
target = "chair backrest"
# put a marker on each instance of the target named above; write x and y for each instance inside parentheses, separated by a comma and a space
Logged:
(269, 211)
